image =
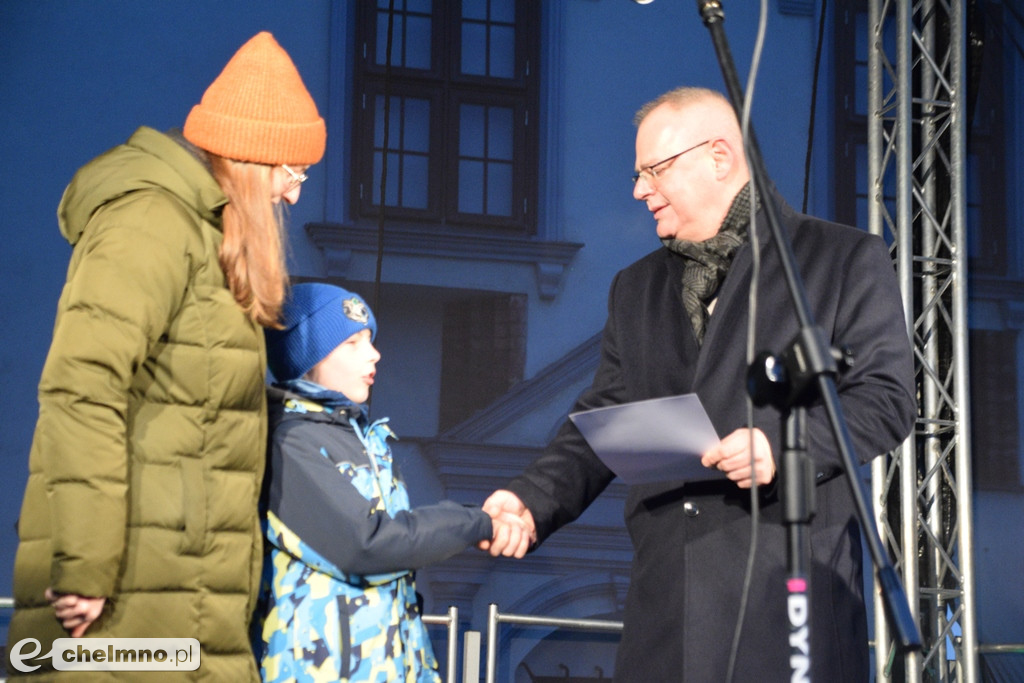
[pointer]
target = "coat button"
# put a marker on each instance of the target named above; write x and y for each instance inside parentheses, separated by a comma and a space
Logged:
(690, 510)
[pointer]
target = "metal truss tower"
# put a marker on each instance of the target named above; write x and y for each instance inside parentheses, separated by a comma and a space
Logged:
(916, 162)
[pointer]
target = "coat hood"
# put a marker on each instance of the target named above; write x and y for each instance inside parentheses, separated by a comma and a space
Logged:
(148, 160)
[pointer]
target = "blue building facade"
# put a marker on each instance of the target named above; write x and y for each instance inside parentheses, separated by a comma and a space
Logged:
(507, 210)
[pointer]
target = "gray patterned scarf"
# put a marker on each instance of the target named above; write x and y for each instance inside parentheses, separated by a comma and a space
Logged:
(707, 262)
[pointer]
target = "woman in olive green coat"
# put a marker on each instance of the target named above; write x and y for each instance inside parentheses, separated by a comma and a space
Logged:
(140, 515)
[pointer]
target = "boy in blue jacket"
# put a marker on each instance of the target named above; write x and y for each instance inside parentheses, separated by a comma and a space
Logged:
(343, 541)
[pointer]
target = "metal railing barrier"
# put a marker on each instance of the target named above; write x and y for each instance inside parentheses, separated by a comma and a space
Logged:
(494, 618)
(451, 622)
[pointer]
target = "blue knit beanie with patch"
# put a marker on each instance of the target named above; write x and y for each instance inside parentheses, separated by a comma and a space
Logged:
(317, 318)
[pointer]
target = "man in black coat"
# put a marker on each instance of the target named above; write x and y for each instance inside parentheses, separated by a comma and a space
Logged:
(677, 323)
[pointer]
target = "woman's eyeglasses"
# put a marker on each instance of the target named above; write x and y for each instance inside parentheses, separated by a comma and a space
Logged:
(296, 178)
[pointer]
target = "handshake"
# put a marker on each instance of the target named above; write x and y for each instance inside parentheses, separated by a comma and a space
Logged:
(743, 456)
(514, 531)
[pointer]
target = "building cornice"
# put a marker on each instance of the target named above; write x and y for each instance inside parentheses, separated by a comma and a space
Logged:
(342, 243)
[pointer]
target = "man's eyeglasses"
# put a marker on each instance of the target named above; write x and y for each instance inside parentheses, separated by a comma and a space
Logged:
(297, 178)
(650, 173)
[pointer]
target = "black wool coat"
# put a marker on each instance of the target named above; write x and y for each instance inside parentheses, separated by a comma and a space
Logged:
(691, 540)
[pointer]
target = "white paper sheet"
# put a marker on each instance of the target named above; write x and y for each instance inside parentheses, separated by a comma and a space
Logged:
(644, 442)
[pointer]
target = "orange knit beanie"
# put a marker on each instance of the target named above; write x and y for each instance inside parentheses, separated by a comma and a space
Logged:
(259, 110)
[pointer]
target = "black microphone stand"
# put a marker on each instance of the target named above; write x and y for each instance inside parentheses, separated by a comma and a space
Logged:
(790, 382)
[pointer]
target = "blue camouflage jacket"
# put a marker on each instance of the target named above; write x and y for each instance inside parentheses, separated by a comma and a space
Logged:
(339, 596)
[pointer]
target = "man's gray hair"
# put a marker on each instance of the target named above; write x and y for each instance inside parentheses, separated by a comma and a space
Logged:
(678, 98)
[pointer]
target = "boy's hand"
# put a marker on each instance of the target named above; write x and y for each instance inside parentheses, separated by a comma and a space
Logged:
(514, 529)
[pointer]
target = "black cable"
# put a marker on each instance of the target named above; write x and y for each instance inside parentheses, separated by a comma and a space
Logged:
(755, 502)
(384, 154)
(814, 102)
(375, 296)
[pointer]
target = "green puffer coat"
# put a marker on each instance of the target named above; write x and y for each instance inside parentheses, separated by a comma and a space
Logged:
(147, 458)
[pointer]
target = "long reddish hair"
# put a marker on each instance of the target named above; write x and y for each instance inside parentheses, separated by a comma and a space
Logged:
(252, 254)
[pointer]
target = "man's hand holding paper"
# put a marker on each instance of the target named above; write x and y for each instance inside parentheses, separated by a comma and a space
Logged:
(651, 441)
(732, 456)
